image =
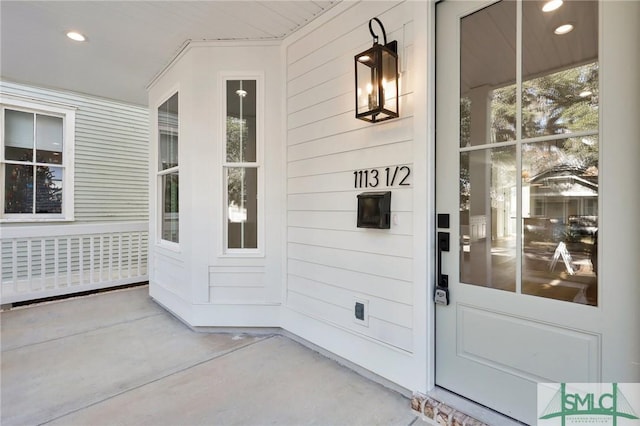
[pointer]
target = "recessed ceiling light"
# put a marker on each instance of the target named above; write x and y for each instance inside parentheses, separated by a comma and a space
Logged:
(563, 29)
(551, 5)
(74, 35)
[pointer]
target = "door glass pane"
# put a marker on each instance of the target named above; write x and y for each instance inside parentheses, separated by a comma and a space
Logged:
(48, 139)
(18, 189)
(560, 96)
(18, 135)
(560, 214)
(488, 218)
(170, 211)
(241, 121)
(488, 75)
(560, 71)
(242, 227)
(48, 189)
(168, 133)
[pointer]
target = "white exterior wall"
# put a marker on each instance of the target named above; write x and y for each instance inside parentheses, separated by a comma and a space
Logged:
(106, 243)
(331, 262)
(314, 261)
(111, 150)
(199, 281)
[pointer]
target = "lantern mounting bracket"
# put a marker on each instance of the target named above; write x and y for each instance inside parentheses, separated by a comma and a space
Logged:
(391, 46)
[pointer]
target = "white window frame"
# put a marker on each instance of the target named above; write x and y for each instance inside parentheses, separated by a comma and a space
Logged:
(258, 77)
(171, 245)
(68, 115)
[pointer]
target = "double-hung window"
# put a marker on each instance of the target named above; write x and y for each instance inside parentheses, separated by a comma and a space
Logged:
(241, 165)
(168, 170)
(36, 161)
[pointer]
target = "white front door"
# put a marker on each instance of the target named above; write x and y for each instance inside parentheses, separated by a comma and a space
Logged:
(533, 132)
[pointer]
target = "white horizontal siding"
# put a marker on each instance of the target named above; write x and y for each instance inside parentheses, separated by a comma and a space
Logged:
(345, 220)
(329, 260)
(237, 284)
(401, 200)
(111, 155)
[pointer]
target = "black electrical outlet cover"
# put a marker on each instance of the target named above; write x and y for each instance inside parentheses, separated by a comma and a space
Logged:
(359, 311)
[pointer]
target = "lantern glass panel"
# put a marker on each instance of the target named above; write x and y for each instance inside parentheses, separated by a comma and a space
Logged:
(389, 81)
(366, 87)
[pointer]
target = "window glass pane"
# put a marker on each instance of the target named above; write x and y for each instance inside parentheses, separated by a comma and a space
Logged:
(560, 213)
(241, 121)
(488, 75)
(48, 189)
(170, 212)
(488, 218)
(560, 71)
(18, 135)
(49, 137)
(168, 133)
(18, 189)
(242, 187)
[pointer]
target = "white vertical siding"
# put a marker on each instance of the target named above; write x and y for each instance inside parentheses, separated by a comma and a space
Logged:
(111, 152)
(331, 262)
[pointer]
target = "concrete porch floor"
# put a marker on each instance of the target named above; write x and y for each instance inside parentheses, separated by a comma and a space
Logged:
(118, 358)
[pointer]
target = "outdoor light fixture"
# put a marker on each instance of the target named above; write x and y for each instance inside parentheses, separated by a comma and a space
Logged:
(377, 79)
(76, 36)
(552, 5)
(563, 29)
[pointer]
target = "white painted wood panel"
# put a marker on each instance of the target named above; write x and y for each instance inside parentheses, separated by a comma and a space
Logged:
(402, 222)
(168, 273)
(324, 91)
(330, 260)
(373, 241)
(347, 32)
(383, 309)
(342, 317)
(345, 181)
(378, 156)
(534, 357)
(363, 283)
(332, 106)
(396, 130)
(396, 268)
(339, 124)
(401, 200)
(237, 295)
(236, 276)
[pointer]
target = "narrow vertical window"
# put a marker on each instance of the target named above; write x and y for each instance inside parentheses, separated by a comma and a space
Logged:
(241, 164)
(168, 169)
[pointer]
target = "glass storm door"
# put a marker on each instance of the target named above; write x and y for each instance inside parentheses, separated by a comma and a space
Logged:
(522, 136)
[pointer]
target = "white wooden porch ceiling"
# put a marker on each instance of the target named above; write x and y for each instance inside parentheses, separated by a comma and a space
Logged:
(129, 42)
(489, 46)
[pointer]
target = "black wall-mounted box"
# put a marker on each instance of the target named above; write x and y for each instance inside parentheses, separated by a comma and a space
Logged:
(374, 210)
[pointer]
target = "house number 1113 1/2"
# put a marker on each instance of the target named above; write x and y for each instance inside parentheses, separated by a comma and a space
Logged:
(389, 176)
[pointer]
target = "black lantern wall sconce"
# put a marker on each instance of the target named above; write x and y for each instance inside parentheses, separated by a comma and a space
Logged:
(377, 79)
